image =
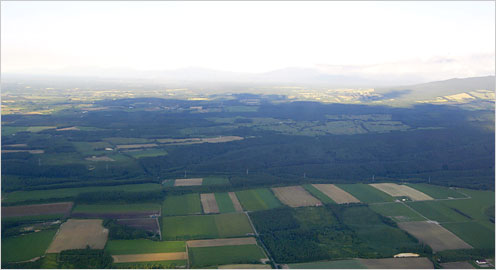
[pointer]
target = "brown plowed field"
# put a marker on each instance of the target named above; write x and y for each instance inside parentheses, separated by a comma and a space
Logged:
(188, 182)
(111, 215)
(148, 224)
(398, 263)
(396, 190)
(209, 203)
(77, 234)
(434, 235)
(336, 194)
(295, 196)
(37, 209)
(235, 201)
(222, 242)
(150, 257)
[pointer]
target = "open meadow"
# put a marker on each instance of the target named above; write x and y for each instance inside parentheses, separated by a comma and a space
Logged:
(179, 205)
(26, 247)
(257, 199)
(219, 255)
(366, 193)
(139, 246)
(399, 212)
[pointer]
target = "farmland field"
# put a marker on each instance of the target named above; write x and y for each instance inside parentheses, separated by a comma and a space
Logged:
(366, 193)
(150, 257)
(235, 202)
(79, 233)
(215, 180)
(205, 226)
(37, 209)
(295, 196)
(139, 246)
(437, 192)
(473, 233)
(116, 208)
(335, 193)
(435, 210)
(397, 263)
(437, 237)
(397, 211)
(188, 182)
(222, 242)
(339, 264)
(181, 205)
(257, 199)
(318, 194)
(151, 264)
(224, 202)
(209, 203)
(396, 190)
(147, 153)
(211, 256)
(245, 266)
(26, 247)
(18, 196)
(147, 224)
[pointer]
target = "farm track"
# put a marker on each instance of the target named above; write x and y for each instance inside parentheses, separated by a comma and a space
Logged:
(271, 259)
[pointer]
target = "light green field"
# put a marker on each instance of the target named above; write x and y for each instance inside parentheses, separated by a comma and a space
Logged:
(122, 140)
(151, 265)
(26, 247)
(257, 199)
(115, 208)
(397, 211)
(9, 130)
(437, 192)
(318, 194)
(215, 180)
(211, 256)
(142, 246)
(341, 264)
(182, 205)
(473, 233)
(147, 153)
(205, 226)
(435, 210)
(224, 202)
(18, 196)
(366, 193)
(89, 148)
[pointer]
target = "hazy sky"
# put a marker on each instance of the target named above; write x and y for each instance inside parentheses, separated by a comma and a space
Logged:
(247, 36)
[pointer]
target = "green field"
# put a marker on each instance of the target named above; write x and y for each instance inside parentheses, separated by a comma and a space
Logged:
(257, 199)
(26, 247)
(151, 265)
(340, 264)
(215, 180)
(115, 208)
(397, 211)
(435, 210)
(318, 194)
(141, 246)
(147, 153)
(224, 202)
(211, 256)
(33, 218)
(475, 207)
(125, 140)
(182, 205)
(473, 233)
(366, 193)
(437, 192)
(18, 196)
(205, 226)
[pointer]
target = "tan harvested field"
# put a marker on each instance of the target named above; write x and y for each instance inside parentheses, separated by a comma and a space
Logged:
(398, 263)
(77, 234)
(457, 265)
(37, 209)
(67, 128)
(150, 257)
(188, 182)
(131, 146)
(235, 201)
(209, 203)
(295, 196)
(336, 194)
(434, 235)
(222, 242)
(245, 266)
(102, 158)
(396, 190)
(29, 151)
(16, 145)
(223, 139)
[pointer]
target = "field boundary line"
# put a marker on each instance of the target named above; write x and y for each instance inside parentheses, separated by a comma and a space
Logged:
(260, 240)
(416, 211)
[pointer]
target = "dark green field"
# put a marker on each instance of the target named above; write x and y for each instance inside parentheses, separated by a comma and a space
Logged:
(215, 180)
(151, 265)
(182, 205)
(340, 264)
(224, 202)
(115, 208)
(26, 247)
(437, 192)
(141, 246)
(212, 256)
(205, 226)
(397, 211)
(438, 211)
(318, 194)
(366, 193)
(473, 233)
(257, 199)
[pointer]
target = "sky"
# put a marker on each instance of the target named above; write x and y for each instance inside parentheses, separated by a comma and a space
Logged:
(442, 39)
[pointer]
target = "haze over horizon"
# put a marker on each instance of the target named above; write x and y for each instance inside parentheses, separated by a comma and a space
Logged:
(386, 43)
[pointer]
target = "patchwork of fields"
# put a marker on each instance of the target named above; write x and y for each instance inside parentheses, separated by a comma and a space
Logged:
(210, 229)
